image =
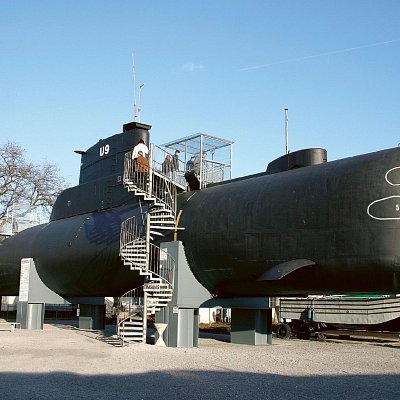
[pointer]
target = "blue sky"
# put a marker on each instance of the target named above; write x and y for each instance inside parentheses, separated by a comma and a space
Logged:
(225, 68)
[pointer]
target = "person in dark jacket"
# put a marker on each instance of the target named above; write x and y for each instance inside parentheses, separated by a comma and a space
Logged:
(190, 164)
(175, 161)
(167, 166)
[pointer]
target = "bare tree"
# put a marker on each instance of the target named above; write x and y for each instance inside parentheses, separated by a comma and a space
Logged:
(23, 182)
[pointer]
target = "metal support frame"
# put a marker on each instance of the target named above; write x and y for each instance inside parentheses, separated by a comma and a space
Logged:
(210, 170)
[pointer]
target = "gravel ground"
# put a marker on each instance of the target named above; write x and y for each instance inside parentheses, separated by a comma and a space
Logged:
(62, 362)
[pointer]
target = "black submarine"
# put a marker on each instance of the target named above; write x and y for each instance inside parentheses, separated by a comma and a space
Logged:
(304, 226)
(77, 252)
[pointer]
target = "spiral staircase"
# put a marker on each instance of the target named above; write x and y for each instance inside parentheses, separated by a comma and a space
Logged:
(138, 251)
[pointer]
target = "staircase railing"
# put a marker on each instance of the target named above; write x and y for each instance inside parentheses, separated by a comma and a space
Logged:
(157, 266)
(153, 184)
(137, 251)
(131, 303)
(159, 263)
(176, 171)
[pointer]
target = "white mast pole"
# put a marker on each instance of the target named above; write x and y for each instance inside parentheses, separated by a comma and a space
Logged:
(140, 100)
(134, 88)
(286, 132)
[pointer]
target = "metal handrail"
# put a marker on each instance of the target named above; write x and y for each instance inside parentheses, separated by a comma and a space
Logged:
(159, 263)
(135, 246)
(130, 231)
(213, 172)
(160, 266)
(176, 169)
(152, 183)
(130, 304)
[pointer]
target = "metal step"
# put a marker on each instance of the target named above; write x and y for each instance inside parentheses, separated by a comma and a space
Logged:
(163, 220)
(159, 297)
(133, 266)
(134, 321)
(168, 216)
(153, 308)
(160, 211)
(134, 256)
(158, 302)
(161, 292)
(136, 265)
(132, 330)
(143, 272)
(161, 227)
(137, 257)
(133, 253)
(156, 233)
(157, 286)
(156, 221)
(133, 250)
(139, 261)
(135, 245)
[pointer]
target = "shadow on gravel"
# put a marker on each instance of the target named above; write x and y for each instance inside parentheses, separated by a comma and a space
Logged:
(215, 336)
(68, 323)
(112, 340)
(389, 345)
(110, 337)
(196, 385)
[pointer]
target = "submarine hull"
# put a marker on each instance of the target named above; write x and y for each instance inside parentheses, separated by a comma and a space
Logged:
(76, 256)
(328, 228)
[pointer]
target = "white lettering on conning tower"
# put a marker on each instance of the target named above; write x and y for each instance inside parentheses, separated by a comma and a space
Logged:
(104, 150)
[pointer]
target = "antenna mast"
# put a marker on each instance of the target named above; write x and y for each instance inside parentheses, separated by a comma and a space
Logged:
(286, 131)
(134, 88)
(140, 100)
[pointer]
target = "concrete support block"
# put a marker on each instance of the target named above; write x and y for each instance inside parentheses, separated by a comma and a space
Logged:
(92, 316)
(30, 315)
(182, 326)
(253, 327)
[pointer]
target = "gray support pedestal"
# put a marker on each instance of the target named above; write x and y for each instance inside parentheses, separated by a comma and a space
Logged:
(33, 294)
(252, 327)
(30, 315)
(251, 317)
(182, 315)
(92, 316)
(183, 326)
